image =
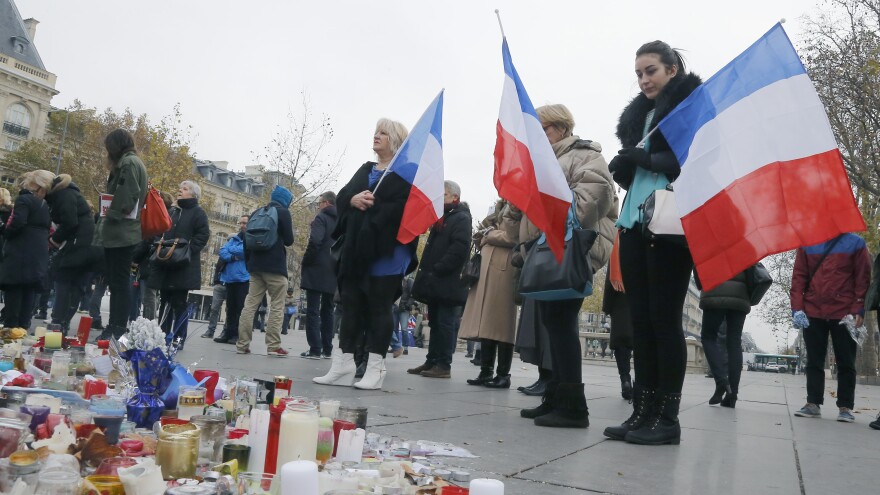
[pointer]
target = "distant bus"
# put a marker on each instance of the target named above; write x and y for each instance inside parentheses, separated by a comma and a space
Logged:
(761, 360)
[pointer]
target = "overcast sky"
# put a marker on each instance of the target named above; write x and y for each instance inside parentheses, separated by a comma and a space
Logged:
(237, 68)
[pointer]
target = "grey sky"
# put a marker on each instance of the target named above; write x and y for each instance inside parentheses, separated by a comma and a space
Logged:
(237, 67)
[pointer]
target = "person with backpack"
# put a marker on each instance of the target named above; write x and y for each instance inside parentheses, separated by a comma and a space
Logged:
(269, 232)
(236, 279)
(829, 281)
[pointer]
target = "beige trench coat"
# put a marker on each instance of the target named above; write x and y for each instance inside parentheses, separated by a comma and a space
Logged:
(489, 312)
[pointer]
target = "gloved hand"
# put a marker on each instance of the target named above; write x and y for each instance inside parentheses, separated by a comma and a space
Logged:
(800, 320)
(636, 157)
(622, 171)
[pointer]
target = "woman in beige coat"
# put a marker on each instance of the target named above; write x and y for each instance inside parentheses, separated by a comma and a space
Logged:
(564, 403)
(490, 313)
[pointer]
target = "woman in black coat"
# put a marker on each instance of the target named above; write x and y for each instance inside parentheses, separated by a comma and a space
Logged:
(26, 252)
(728, 304)
(76, 257)
(188, 221)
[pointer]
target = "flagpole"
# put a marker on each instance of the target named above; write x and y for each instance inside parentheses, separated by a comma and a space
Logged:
(498, 15)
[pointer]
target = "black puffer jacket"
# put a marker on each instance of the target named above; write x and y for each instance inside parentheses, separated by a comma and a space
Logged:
(188, 221)
(733, 294)
(439, 276)
(74, 227)
(318, 267)
(26, 252)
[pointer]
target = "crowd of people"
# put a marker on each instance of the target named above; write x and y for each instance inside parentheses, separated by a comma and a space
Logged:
(362, 283)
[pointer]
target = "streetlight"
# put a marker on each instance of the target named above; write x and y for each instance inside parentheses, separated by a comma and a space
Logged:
(67, 113)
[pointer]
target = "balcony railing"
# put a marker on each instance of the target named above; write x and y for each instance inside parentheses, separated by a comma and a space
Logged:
(15, 129)
(223, 217)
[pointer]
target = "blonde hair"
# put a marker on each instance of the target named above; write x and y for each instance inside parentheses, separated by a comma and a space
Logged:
(39, 178)
(396, 131)
(5, 197)
(558, 116)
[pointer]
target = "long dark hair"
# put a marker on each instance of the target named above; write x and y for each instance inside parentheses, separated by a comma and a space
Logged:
(668, 56)
(118, 143)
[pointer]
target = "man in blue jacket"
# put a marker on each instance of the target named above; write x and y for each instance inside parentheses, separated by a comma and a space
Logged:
(267, 265)
(235, 278)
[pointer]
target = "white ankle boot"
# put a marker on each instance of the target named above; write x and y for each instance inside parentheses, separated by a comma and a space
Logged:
(342, 370)
(375, 374)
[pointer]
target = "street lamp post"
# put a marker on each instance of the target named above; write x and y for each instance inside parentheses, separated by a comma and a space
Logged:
(67, 113)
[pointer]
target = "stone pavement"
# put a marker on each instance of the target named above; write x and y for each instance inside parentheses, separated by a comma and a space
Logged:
(759, 447)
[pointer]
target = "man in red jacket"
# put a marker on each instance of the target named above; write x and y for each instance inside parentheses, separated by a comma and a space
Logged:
(828, 283)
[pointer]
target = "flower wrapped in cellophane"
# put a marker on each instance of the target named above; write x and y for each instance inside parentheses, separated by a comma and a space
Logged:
(151, 366)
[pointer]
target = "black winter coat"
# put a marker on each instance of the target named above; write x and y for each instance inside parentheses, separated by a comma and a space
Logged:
(274, 259)
(449, 244)
(318, 267)
(74, 227)
(731, 295)
(188, 221)
(372, 234)
(26, 252)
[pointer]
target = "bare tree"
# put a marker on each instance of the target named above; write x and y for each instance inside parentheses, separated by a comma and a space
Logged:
(775, 308)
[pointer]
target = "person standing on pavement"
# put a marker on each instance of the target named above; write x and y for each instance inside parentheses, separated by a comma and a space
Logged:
(269, 233)
(727, 305)
(290, 312)
(218, 296)
(620, 331)
(829, 281)
(119, 228)
(490, 311)
(319, 279)
(371, 260)
(236, 279)
(438, 281)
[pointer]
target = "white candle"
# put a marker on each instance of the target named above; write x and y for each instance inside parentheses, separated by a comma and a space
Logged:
(298, 435)
(257, 437)
(299, 478)
(39, 332)
(485, 486)
(329, 408)
(351, 445)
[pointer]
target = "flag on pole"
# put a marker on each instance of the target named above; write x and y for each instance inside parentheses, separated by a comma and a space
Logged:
(526, 170)
(419, 161)
(761, 172)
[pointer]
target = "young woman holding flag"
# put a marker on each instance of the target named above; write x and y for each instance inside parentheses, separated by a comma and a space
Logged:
(656, 272)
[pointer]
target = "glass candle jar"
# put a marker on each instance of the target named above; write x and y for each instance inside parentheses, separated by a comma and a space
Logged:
(255, 483)
(105, 485)
(282, 388)
(190, 401)
(298, 436)
(107, 405)
(357, 415)
(177, 451)
(213, 433)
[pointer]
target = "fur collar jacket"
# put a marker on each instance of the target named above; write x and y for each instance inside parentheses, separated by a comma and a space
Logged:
(632, 121)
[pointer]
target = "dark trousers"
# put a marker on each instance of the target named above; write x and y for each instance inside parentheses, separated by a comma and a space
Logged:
(118, 265)
(366, 308)
(560, 318)
(622, 355)
(816, 340)
(236, 292)
(19, 307)
(136, 298)
(725, 359)
(488, 350)
(172, 307)
(97, 297)
(68, 294)
(319, 321)
(443, 322)
(656, 275)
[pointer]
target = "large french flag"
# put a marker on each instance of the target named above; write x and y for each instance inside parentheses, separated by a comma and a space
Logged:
(526, 170)
(419, 161)
(761, 172)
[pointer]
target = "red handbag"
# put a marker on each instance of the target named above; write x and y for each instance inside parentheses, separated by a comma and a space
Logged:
(154, 219)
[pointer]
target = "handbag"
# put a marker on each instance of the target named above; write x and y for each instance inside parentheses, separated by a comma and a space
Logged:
(336, 248)
(758, 282)
(660, 218)
(154, 219)
(470, 273)
(545, 279)
(171, 253)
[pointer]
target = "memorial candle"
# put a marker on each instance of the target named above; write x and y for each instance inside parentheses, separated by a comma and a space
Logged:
(299, 478)
(271, 458)
(52, 340)
(485, 486)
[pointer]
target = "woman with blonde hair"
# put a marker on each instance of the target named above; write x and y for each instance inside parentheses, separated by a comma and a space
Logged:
(26, 255)
(372, 262)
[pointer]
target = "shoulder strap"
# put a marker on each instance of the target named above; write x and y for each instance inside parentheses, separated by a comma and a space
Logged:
(825, 254)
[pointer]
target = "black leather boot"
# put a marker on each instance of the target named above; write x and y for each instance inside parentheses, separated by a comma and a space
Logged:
(222, 338)
(721, 388)
(641, 401)
(484, 377)
(546, 403)
(626, 387)
(569, 408)
(729, 400)
(500, 381)
(538, 388)
(663, 427)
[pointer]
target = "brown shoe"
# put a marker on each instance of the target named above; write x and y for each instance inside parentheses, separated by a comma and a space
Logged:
(397, 352)
(437, 372)
(419, 369)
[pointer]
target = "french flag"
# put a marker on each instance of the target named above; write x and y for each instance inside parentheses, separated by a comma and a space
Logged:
(526, 170)
(419, 161)
(761, 172)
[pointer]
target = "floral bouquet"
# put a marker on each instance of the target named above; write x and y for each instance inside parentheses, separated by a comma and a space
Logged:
(151, 364)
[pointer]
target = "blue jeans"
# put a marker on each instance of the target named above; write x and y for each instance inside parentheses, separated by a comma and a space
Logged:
(319, 321)
(397, 332)
(443, 320)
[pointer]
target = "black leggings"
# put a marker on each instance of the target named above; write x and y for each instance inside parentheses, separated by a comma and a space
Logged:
(172, 306)
(725, 361)
(367, 308)
(656, 275)
(560, 318)
(118, 272)
(19, 305)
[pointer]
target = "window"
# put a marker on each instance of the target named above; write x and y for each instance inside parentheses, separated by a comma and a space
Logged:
(12, 144)
(17, 122)
(227, 206)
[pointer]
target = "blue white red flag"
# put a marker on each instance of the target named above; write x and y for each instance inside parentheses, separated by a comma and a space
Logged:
(761, 172)
(526, 170)
(419, 161)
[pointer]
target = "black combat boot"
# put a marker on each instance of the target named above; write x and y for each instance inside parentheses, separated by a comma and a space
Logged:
(663, 427)
(641, 401)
